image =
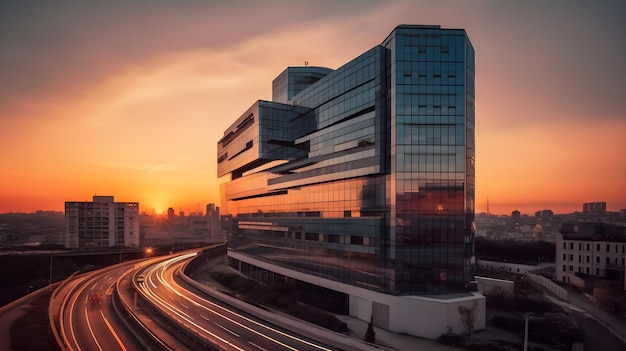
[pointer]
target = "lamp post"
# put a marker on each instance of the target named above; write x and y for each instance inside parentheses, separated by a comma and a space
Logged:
(527, 316)
(50, 281)
(28, 289)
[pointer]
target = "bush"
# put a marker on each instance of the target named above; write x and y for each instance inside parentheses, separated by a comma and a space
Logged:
(523, 303)
(554, 329)
(512, 324)
(316, 316)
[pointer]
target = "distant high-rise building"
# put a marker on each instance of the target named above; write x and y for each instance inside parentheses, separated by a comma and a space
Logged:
(171, 214)
(361, 180)
(544, 215)
(213, 220)
(514, 222)
(598, 208)
(101, 223)
(516, 215)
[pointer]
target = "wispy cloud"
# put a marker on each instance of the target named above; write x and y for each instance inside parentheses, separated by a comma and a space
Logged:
(157, 168)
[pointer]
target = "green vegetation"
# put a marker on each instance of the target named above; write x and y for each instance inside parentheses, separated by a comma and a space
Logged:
(514, 251)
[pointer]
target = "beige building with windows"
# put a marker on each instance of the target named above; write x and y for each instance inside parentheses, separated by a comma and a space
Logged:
(101, 223)
(595, 249)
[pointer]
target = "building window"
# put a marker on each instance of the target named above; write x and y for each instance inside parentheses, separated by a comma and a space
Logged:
(564, 257)
(580, 246)
(587, 258)
(571, 257)
(587, 270)
(564, 246)
(597, 247)
(579, 259)
(356, 240)
(571, 268)
(608, 260)
(564, 268)
(332, 238)
(597, 271)
(311, 236)
(587, 247)
(608, 248)
(597, 259)
(571, 246)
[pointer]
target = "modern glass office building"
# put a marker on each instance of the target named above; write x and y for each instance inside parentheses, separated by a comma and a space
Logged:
(362, 175)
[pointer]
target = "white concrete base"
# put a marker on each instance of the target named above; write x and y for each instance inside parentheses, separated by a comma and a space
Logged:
(427, 317)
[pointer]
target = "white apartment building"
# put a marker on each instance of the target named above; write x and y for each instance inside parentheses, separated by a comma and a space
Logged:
(595, 249)
(101, 223)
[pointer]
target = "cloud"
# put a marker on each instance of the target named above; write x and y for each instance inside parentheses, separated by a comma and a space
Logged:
(156, 168)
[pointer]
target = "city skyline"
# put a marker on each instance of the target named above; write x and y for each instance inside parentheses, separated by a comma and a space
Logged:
(129, 100)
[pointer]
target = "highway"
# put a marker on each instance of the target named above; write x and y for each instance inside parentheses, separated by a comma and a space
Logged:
(212, 321)
(87, 319)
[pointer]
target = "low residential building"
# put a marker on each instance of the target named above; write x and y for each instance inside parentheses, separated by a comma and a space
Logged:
(595, 249)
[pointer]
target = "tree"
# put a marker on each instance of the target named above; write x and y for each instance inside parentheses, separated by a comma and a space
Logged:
(468, 314)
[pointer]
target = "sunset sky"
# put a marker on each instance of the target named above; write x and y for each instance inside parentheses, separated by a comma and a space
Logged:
(129, 98)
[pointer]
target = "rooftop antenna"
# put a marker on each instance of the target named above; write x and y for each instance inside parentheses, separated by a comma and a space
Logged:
(306, 63)
(488, 205)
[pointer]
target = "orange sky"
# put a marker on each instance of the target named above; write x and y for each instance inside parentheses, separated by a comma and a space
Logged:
(129, 98)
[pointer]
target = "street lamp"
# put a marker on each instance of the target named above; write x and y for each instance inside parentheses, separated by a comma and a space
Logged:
(28, 289)
(527, 316)
(148, 251)
(50, 281)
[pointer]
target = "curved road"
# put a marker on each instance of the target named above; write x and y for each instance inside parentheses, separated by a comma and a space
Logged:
(88, 319)
(210, 320)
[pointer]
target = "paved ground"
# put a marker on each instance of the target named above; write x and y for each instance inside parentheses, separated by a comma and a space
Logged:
(398, 342)
(614, 323)
(8, 317)
(603, 330)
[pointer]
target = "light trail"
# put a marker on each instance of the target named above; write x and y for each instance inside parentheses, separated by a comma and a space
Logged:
(169, 307)
(91, 330)
(159, 269)
(117, 338)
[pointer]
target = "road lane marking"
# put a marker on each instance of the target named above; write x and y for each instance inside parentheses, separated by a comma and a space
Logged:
(153, 285)
(113, 331)
(91, 330)
(181, 315)
(257, 346)
(159, 272)
(226, 329)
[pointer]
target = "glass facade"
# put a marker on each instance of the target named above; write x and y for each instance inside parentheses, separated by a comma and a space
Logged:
(364, 174)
